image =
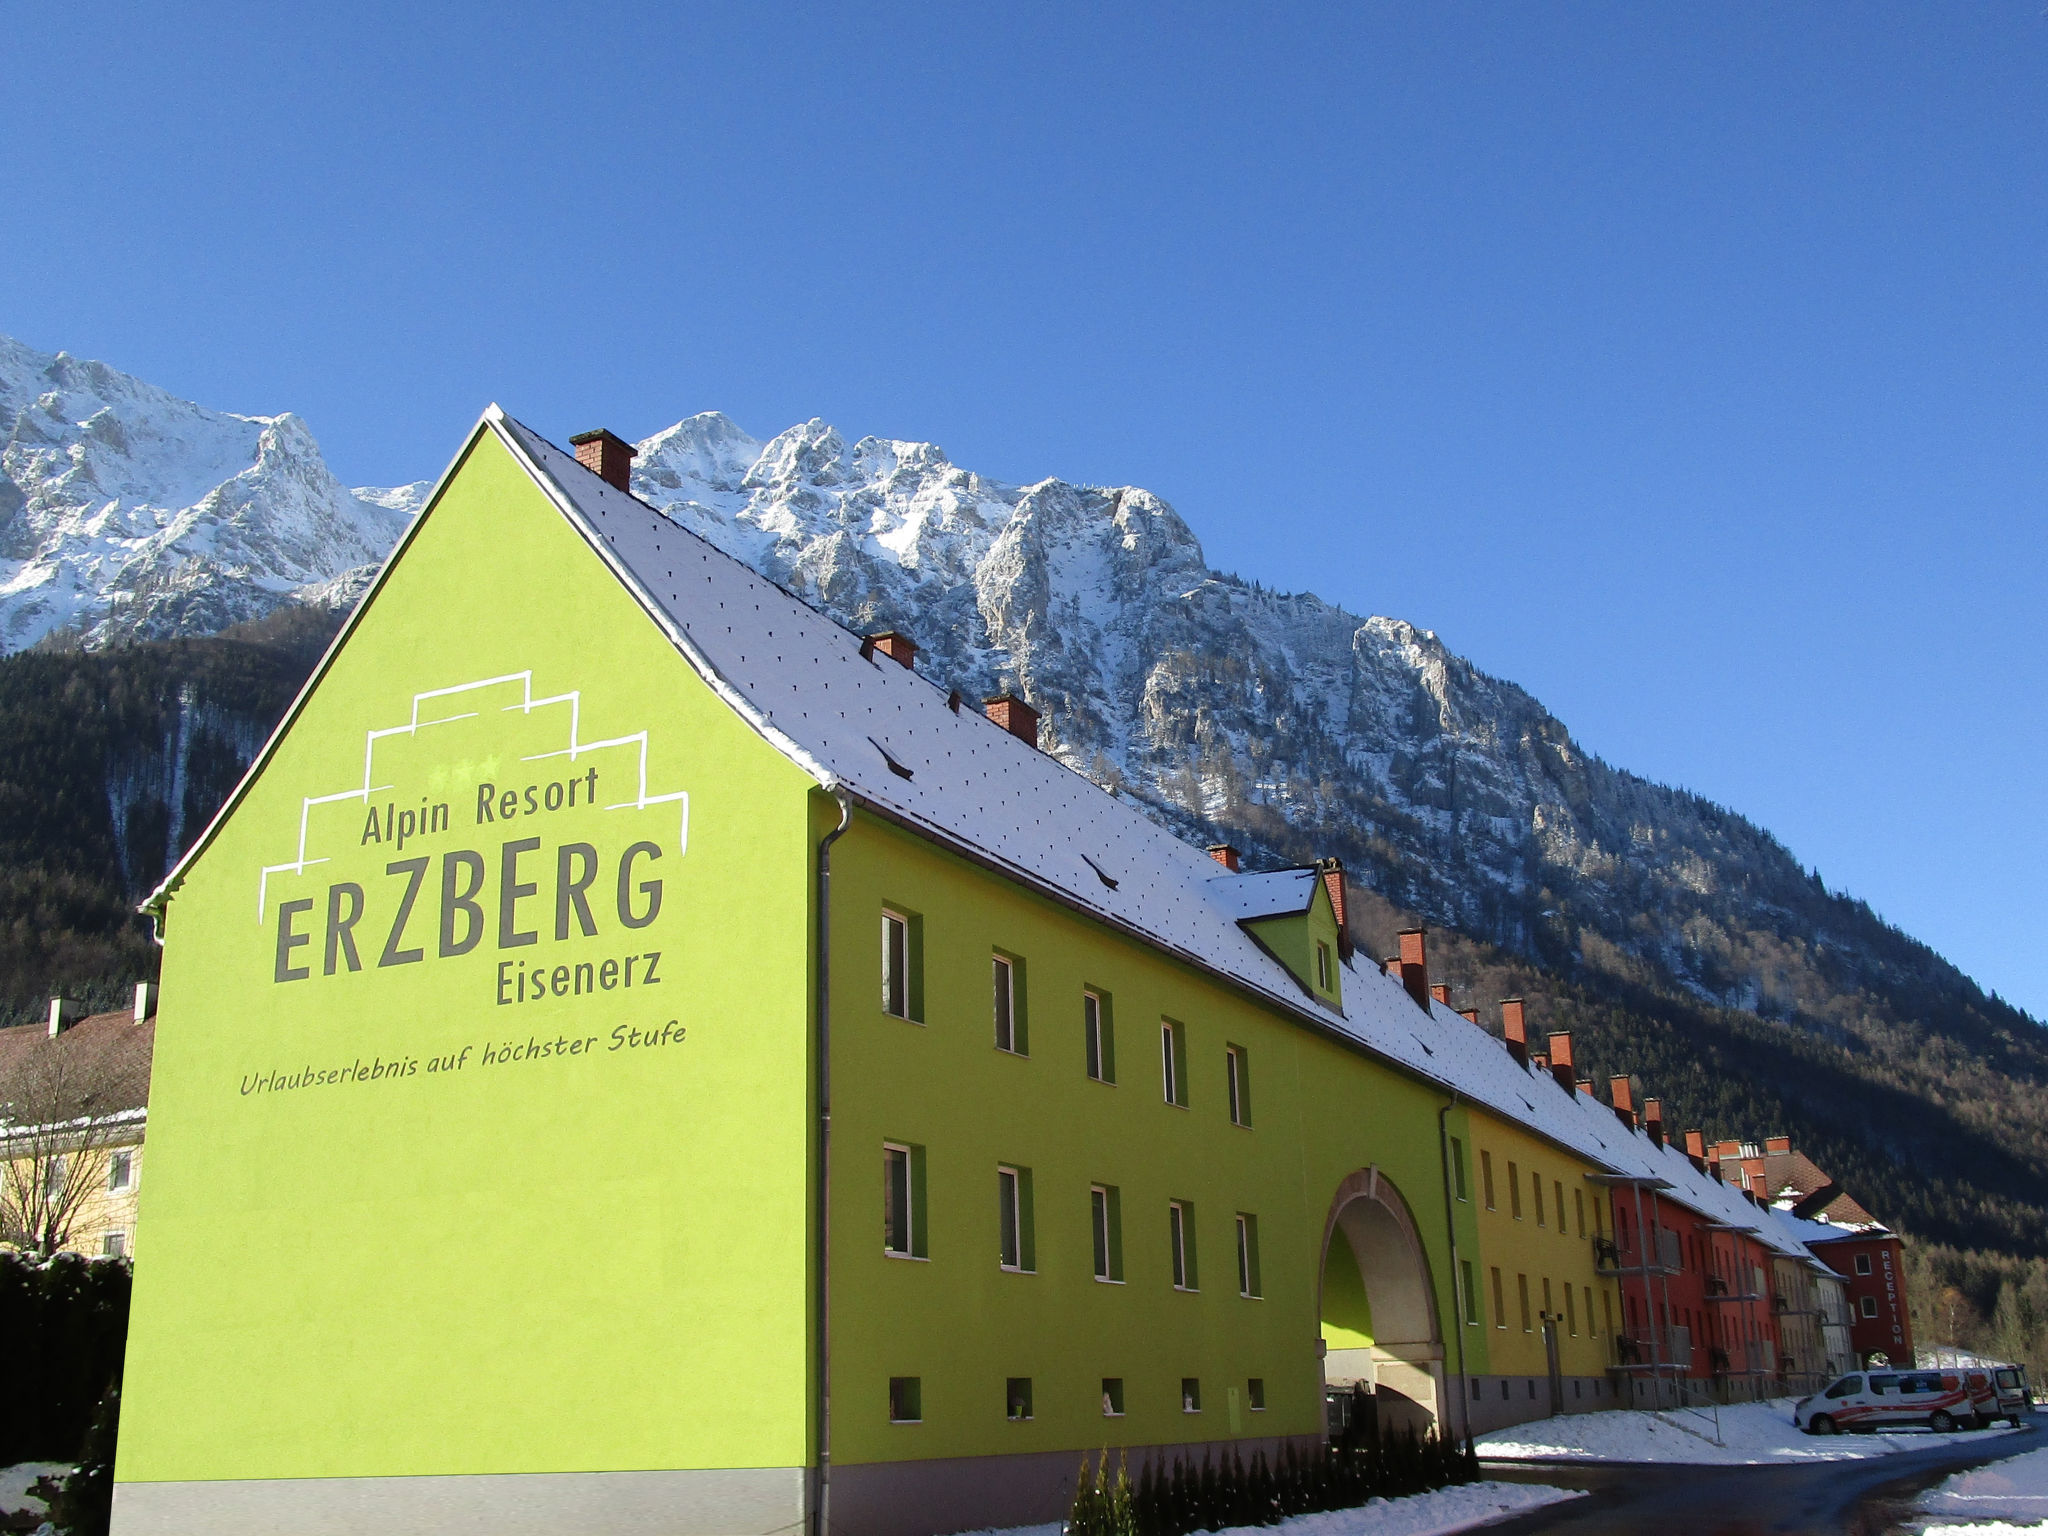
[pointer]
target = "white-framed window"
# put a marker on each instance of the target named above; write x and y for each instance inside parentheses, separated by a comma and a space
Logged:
(120, 1170)
(1248, 1255)
(1173, 1060)
(1238, 1082)
(895, 964)
(1470, 1293)
(114, 1245)
(1013, 1218)
(56, 1177)
(1458, 1170)
(902, 1196)
(1180, 1221)
(1097, 1035)
(1105, 1219)
(1322, 965)
(1008, 1005)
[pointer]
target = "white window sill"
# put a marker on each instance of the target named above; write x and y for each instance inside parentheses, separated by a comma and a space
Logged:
(1015, 1269)
(907, 1258)
(1106, 1280)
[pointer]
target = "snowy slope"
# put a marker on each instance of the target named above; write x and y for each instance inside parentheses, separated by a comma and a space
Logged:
(128, 512)
(1278, 720)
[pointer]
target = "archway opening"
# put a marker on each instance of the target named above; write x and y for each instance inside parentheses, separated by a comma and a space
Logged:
(1378, 1308)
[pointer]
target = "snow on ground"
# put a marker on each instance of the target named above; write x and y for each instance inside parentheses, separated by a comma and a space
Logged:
(1986, 1528)
(1751, 1434)
(2006, 1491)
(1459, 1508)
(16, 1480)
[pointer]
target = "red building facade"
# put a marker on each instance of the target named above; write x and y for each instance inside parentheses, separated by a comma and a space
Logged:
(1879, 1322)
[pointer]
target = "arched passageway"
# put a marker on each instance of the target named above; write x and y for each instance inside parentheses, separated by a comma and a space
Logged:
(1378, 1306)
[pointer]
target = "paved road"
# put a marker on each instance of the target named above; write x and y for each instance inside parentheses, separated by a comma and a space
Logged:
(1841, 1498)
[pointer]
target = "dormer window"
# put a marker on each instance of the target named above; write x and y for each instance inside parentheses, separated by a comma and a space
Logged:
(1322, 966)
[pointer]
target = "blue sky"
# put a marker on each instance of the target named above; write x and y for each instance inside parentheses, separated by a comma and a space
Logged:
(1684, 364)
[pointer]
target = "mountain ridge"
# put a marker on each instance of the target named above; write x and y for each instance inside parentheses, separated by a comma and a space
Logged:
(1230, 712)
(129, 513)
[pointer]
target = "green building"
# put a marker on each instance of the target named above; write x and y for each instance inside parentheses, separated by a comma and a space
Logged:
(635, 1056)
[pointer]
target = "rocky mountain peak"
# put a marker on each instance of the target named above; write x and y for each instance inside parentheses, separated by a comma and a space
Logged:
(127, 512)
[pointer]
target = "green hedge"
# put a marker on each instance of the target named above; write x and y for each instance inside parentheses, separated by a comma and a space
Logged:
(63, 1326)
(1224, 1492)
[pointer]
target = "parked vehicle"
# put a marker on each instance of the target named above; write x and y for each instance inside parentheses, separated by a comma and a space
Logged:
(1983, 1397)
(2013, 1400)
(1938, 1400)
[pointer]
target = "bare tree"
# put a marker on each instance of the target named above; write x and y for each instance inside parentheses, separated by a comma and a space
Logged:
(65, 1105)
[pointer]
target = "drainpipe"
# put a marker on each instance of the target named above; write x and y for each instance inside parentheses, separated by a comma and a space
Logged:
(821, 1491)
(1443, 1147)
(1643, 1237)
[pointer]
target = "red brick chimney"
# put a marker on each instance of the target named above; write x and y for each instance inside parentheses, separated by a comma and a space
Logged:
(1777, 1144)
(1696, 1145)
(1441, 991)
(893, 644)
(1225, 855)
(1414, 964)
(1333, 882)
(1653, 1119)
(1624, 1100)
(608, 457)
(1586, 1087)
(1539, 1061)
(1014, 716)
(1469, 1015)
(1515, 1030)
(1561, 1066)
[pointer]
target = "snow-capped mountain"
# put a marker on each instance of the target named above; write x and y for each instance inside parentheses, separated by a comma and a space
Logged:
(126, 512)
(1280, 721)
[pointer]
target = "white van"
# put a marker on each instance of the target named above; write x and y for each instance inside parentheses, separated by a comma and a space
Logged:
(1937, 1400)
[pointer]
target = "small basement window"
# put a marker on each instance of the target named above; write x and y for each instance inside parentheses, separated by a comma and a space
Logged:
(1112, 1397)
(1255, 1393)
(1017, 1398)
(906, 1400)
(1191, 1394)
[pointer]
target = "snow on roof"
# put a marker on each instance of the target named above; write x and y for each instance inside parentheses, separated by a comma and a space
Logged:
(870, 726)
(1275, 893)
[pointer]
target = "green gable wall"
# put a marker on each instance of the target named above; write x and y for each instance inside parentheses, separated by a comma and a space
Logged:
(424, 1261)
